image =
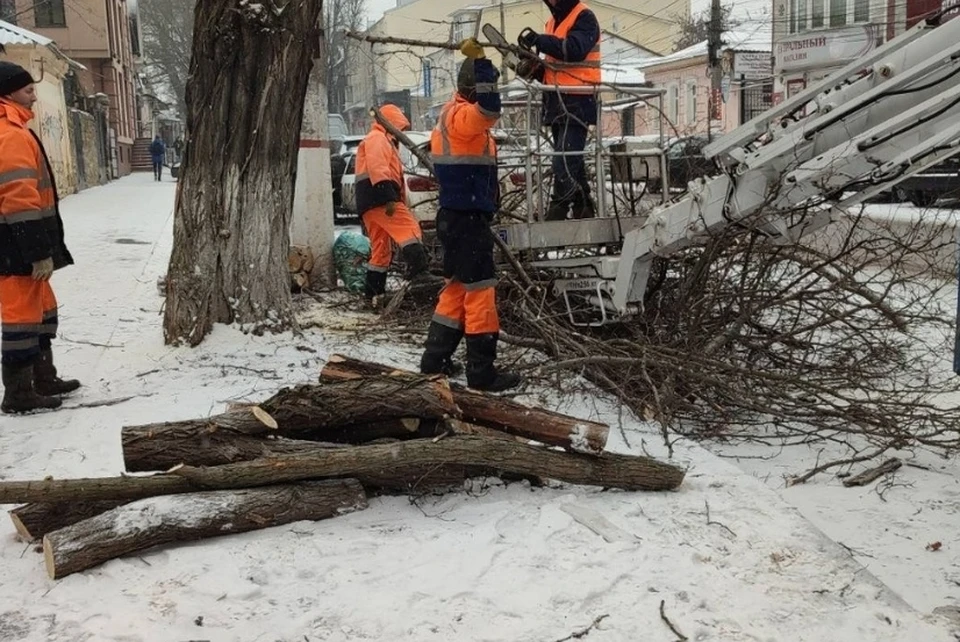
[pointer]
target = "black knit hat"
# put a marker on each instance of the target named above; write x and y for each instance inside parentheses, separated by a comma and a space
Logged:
(13, 78)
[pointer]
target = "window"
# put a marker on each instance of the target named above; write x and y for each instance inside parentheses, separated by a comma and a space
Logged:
(861, 10)
(628, 121)
(464, 25)
(673, 103)
(816, 19)
(49, 13)
(691, 102)
(793, 16)
(838, 13)
(8, 11)
(801, 15)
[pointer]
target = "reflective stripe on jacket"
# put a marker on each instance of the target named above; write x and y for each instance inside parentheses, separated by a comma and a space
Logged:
(571, 74)
(30, 225)
(465, 157)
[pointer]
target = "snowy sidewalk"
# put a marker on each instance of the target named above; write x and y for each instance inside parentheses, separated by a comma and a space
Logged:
(494, 564)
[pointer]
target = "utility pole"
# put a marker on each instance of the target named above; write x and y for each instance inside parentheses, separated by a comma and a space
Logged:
(503, 58)
(312, 223)
(714, 44)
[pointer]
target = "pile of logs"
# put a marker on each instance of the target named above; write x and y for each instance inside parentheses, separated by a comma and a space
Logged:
(312, 452)
(301, 262)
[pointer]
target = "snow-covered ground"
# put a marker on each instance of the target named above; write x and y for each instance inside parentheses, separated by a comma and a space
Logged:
(489, 563)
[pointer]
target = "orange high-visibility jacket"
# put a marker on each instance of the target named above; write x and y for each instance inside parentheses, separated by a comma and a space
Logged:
(379, 168)
(30, 225)
(465, 157)
(571, 74)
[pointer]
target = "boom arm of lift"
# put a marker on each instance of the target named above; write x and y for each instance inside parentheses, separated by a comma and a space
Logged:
(855, 134)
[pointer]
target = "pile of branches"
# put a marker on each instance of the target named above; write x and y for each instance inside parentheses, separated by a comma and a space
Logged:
(844, 339)
(312, 452)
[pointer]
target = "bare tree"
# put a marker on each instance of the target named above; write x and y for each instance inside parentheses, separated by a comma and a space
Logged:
(245, 102)
(695, 28)
(167, 39)
(339, 17)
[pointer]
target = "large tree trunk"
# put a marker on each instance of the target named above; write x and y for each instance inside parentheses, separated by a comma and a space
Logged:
(33, 521)
(248, 80)
(537, 424)
(342, 412)
(179, 518)
(166, 449)
(608, 470)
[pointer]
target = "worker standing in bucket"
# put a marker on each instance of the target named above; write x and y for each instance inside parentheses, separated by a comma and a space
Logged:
(381, 201)
(465, 163)
(571, 50)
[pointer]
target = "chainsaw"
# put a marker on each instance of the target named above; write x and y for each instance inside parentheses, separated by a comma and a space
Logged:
(519, 58)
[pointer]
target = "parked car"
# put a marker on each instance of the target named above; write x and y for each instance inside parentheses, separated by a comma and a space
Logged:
(338, 165)
(926, 188)
(685, 162)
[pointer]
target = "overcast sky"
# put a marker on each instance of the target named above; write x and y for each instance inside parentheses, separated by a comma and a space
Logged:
(375, 8)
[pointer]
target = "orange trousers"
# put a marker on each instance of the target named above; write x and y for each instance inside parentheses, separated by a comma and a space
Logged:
(28, 318)
(470, 307)
(400, 228)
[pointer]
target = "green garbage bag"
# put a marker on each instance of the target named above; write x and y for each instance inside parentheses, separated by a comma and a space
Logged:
(351, 251)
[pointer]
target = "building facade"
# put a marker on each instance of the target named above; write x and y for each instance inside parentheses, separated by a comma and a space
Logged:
(814, 38)
(96, 34)
(427, 76)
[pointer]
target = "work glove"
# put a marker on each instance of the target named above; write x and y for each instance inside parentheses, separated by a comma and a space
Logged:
(471, 49)
(391, 208)
(43, 270)
(528, 38)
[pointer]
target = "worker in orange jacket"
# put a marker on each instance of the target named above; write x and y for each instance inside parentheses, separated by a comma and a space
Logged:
(571, 49)
(31, 248)
(465, 162)
(381, 201)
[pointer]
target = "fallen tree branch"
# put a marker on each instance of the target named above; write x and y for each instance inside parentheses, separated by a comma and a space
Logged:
(607, 471)
(872, 474)
(663, 616)
(585, 632)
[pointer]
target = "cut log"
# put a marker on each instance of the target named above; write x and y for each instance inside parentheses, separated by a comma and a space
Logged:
(163, 446)
(33, 521)
(536, 424)
(873, 474)
(342, 411)
(608, 470)
(178, 518)
(166, 449)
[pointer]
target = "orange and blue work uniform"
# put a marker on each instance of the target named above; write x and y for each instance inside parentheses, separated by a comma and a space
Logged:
(30, 231)
(381, 201)
(570, 45)
(465, 163)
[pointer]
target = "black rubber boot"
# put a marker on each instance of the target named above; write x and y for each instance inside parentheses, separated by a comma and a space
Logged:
(584, 209)
(441, 343)
(19, 395)
(45, 379)
(415, 256)
(557, 211)
(482, 374)
(375, 285)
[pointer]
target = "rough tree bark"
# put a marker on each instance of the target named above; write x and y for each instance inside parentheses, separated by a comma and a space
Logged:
(166, 449)
(609, 470)
(178, 518)
(33, 521)
(344, 411)
(537, 424)
(248, 80)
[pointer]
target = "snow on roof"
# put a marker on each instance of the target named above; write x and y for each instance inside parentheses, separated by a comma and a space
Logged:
(11, 34)
(623, 72)
(742, 40)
